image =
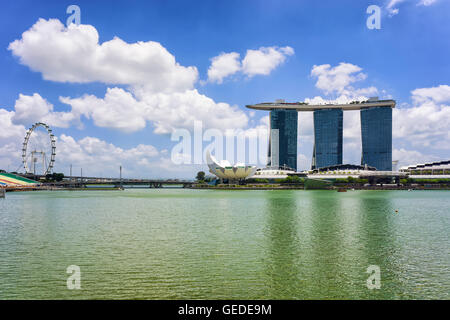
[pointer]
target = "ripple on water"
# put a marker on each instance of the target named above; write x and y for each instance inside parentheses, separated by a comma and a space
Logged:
(201, 244)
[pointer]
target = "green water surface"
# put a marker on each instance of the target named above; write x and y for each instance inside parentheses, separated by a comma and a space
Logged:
(208, 244)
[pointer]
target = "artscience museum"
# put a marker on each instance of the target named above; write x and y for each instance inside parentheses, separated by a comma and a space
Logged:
(225, 170)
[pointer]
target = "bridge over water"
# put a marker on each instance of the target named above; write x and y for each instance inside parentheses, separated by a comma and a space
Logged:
(83, 182)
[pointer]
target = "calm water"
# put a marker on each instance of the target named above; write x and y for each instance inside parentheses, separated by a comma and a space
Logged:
(200, 244)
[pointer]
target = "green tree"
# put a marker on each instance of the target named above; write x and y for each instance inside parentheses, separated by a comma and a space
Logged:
(58, 176)
(293, 179)
(54, 176)
(256, 180)
(200, 176)
(351, 179)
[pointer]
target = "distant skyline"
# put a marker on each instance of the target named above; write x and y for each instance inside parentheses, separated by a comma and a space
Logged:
(115, 87)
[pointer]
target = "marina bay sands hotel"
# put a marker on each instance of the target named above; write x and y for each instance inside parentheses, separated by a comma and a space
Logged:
(376, 132)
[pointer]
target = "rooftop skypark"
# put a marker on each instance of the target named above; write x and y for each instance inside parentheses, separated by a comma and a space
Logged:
(304, 106)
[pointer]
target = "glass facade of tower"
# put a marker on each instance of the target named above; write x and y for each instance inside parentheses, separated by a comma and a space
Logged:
(376, 134)
(283, 138)
(328, 124)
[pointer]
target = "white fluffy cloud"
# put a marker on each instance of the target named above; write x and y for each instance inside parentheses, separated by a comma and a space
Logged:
(179, 110)
(256, 62)
(264, 60)
(11, 138)
(73, 54)
(223, 65)
(120, 110)
(10, 129)
(117, 110)
(437, 94)
(427, 122)
(411, 157)
(100, 158)
(159, 90)
(338, 79)
(90, 151)
(31, 109)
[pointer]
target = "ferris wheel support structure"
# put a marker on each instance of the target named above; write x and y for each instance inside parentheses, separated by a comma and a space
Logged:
(46, 168)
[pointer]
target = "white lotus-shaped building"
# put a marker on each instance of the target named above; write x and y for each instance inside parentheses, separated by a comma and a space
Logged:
(225, 170)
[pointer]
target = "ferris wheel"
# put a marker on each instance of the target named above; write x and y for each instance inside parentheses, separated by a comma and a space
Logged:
(39, 149)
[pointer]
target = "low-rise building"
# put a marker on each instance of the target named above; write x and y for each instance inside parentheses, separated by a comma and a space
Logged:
(438, 169)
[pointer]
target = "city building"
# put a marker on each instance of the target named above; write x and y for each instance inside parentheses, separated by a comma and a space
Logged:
(328, 128)
(438, 169)
(274, 173)
(376, 137)
(283, 139)
(376, 132)
(344, 171)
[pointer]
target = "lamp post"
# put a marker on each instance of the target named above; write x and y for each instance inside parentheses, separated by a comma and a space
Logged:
(121, 187)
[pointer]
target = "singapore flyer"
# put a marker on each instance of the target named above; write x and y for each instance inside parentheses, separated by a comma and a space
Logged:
(39, 150)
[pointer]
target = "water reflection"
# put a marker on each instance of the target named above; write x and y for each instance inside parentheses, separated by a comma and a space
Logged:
(283, 245)
(325, 270)
(320, 244)
(378, 242)
(191, 244)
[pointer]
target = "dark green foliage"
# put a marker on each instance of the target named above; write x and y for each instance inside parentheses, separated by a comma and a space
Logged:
(293, 180)
(351, 180)
(54, 177)
(200, 176)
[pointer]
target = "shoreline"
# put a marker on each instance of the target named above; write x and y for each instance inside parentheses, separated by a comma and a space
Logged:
(447, 188)
(246, 187)
(59, 189)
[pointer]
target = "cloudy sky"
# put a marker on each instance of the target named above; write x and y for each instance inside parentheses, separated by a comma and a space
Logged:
(116, 87)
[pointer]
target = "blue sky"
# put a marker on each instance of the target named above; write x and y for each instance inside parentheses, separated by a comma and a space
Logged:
(407, 59)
